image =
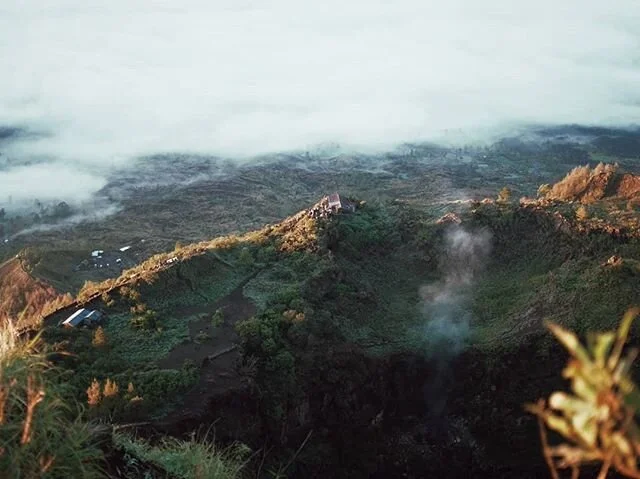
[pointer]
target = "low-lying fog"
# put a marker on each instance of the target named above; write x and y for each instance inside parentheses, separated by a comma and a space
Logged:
(91, 85)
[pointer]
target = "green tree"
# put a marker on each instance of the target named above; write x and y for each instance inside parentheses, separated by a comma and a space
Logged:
(246, 257)
(148, 320)
(62, 210)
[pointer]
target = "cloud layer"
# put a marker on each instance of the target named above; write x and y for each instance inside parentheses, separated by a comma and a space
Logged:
(107, 81)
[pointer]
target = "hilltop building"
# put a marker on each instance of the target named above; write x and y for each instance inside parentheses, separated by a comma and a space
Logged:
(331, 204)
(337, 204)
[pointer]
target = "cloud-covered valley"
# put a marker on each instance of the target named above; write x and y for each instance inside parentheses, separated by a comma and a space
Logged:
(100, 83)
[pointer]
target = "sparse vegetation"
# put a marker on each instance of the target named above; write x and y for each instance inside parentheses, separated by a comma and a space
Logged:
(217, 319)
(188, 459)
(201, 337)
(147, 320)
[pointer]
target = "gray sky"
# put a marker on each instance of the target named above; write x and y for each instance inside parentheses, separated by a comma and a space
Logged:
(110, 80)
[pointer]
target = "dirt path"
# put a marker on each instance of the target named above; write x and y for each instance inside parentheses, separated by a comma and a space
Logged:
(218, 355)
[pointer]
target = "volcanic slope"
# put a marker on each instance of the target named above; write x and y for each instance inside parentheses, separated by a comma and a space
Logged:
(22, 297)
(320, 324)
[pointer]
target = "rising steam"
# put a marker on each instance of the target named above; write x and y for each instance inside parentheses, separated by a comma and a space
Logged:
(447, 302)
(447, 306)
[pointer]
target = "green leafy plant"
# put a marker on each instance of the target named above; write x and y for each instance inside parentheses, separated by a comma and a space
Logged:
(202, 336)
(597, 418)
(217, 319)
(148, 320)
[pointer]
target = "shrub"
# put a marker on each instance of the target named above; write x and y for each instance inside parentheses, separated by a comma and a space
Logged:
(267, 254)
(201, 337)
(94, 394)
(189, 364)
(138, 308)
(217, 319)
(107, 300)
(99, 338)
(147, 321)
(582, 213)
(130, 293)
(110, 388)
(157, 385)
(246, 257)
(597, 420)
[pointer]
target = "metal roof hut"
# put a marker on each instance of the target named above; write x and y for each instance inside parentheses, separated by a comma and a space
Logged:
(338, 204)
(94, 317)
(76, 319)
(83, 317)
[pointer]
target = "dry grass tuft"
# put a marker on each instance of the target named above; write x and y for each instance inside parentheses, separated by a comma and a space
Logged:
(40, 433)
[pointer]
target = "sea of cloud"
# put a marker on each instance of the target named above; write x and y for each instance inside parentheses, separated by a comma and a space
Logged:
(100, 83)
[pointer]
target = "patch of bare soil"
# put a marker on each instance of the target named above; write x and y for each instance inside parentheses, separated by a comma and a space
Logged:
(218, 355)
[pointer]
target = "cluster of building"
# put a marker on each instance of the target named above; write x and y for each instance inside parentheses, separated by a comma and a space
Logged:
(99, 259)
(330, 205)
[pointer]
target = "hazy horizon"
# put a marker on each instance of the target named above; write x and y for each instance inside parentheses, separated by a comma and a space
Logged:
(104, 85)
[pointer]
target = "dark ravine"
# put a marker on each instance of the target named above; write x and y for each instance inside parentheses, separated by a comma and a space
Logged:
(371, 418)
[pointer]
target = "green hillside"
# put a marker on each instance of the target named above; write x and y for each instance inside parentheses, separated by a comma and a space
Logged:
(394, 325)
